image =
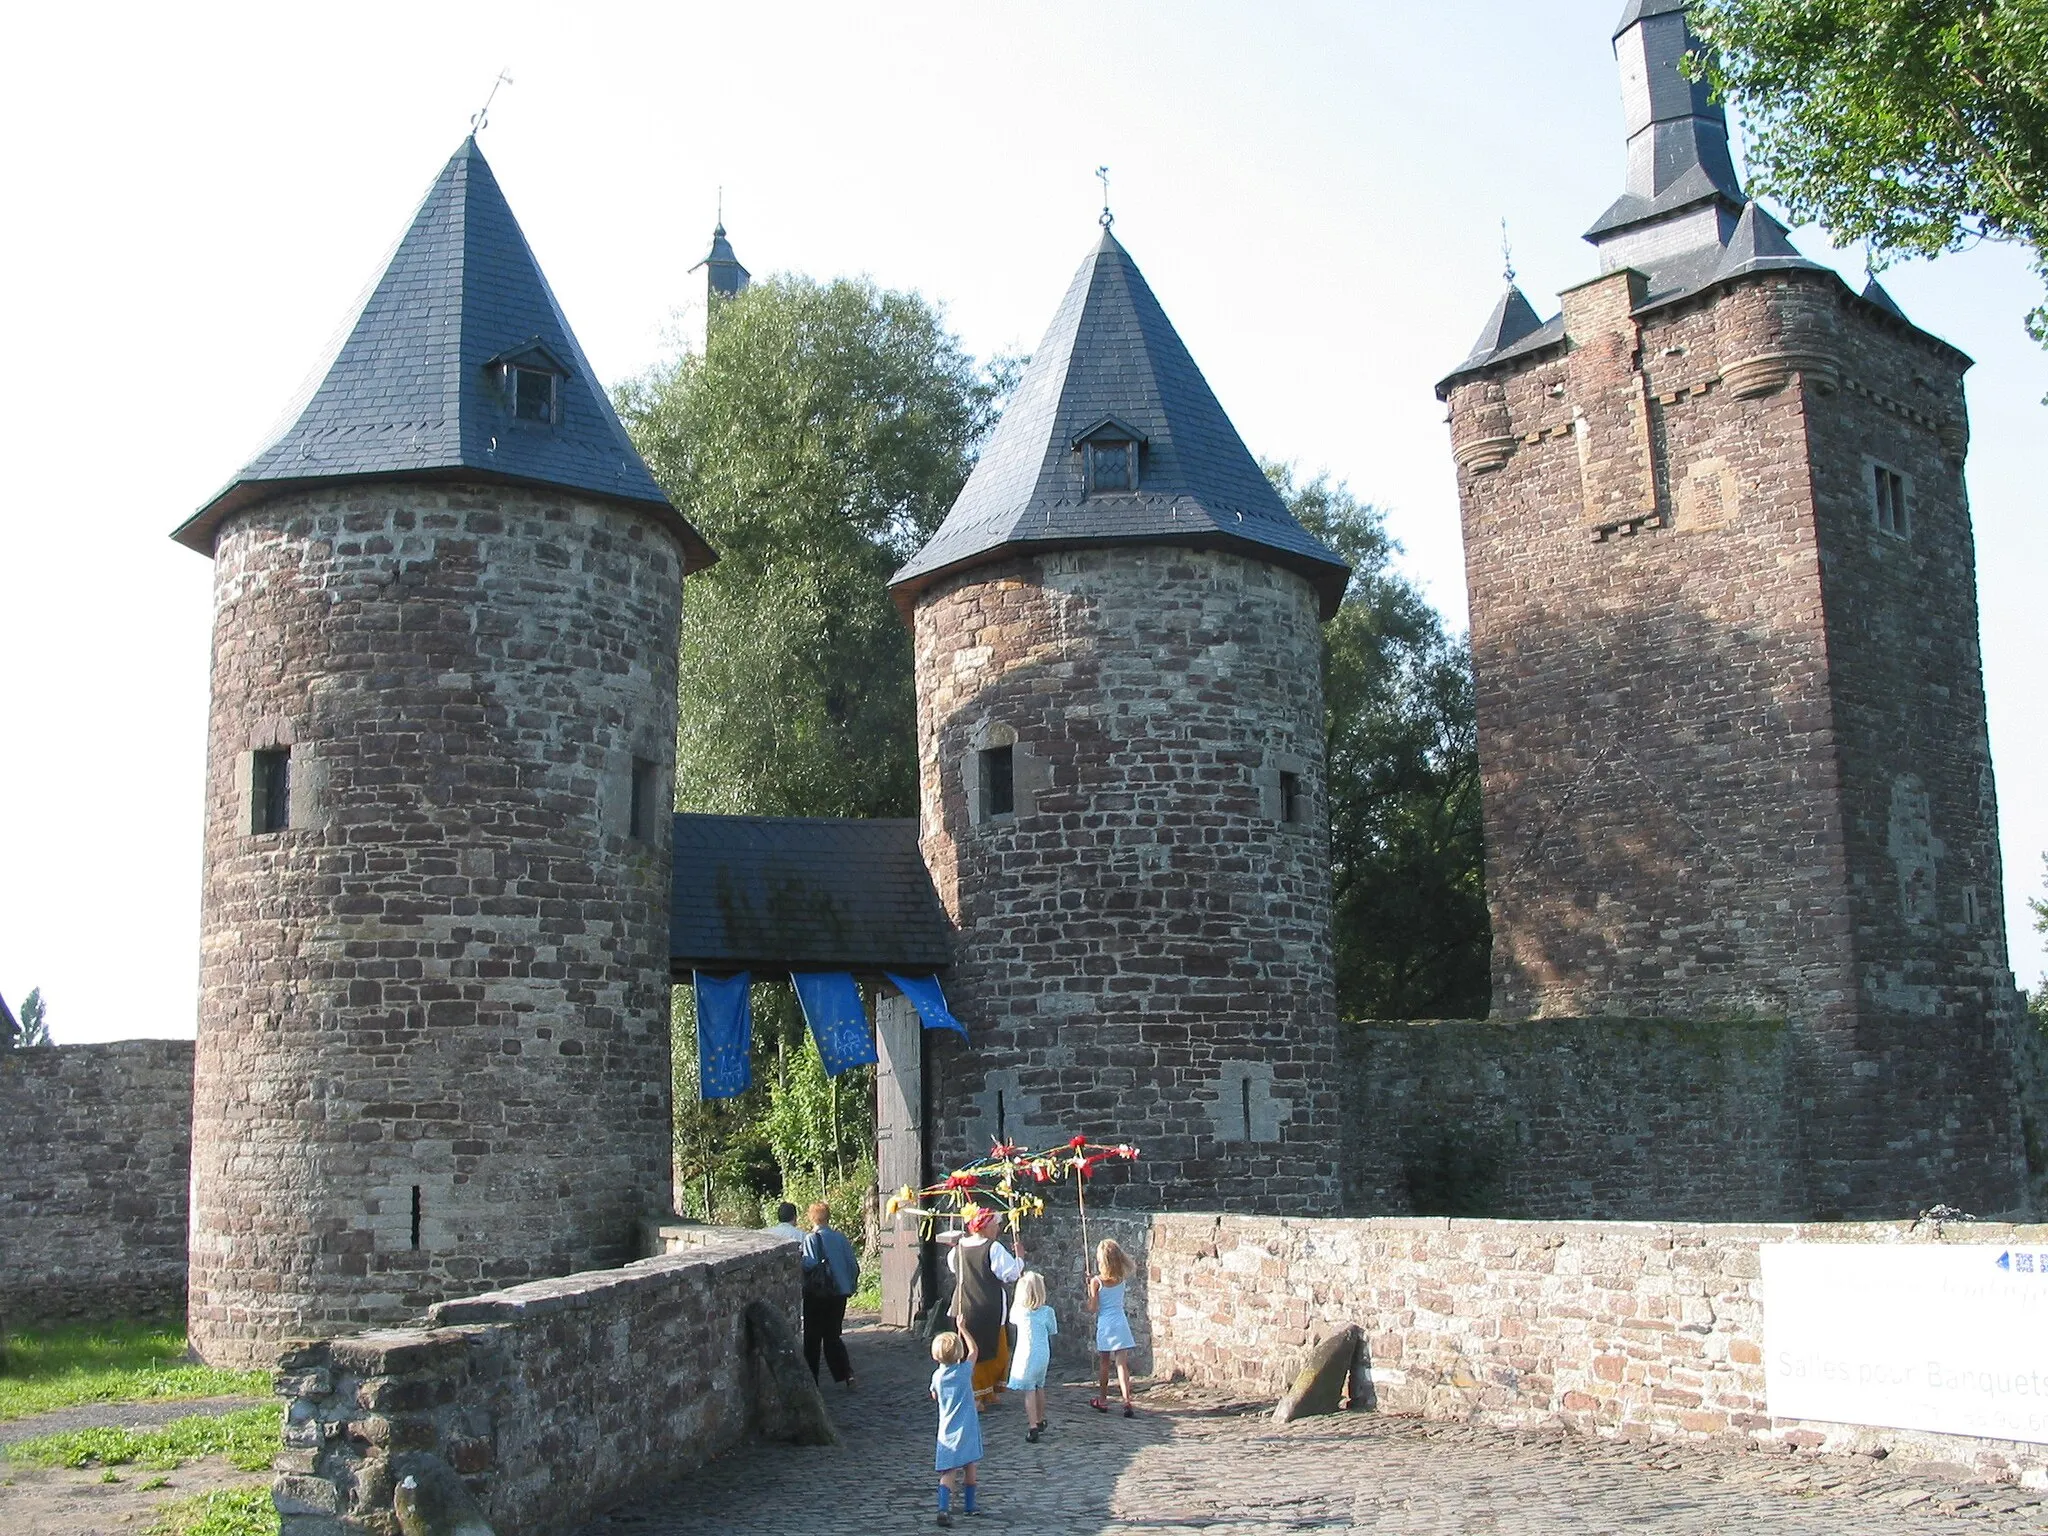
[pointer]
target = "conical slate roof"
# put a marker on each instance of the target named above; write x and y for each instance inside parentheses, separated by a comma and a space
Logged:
(1760, 244)
(1876, 292)
(1511, 320)
(414, 390)
(1112, 357)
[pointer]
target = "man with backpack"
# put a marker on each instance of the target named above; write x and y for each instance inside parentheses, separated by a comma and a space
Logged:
(831, 1276)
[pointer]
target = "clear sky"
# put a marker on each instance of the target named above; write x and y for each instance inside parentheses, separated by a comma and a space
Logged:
(193, 195)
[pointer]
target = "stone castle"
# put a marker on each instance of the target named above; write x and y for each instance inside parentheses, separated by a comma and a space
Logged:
(1731, 724)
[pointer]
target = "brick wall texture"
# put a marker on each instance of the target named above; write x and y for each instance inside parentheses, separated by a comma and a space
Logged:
(1144, 946)
(95, 1158)
(554, 1399)
(1731, 732)
(1593, 1119)
(1636, 1330)
(433, 1029)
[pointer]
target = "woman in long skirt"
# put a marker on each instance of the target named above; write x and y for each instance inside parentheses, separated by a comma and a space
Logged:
(982, 1267)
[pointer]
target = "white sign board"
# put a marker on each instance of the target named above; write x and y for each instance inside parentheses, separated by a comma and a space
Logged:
(1947, 1337)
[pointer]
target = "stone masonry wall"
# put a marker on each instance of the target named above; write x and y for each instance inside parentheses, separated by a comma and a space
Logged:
(1144, 948)
(1597, 1119)
(553, 1400)
(95, 1159)
(1632, 1330)
(433, 1034)
(1731, 734)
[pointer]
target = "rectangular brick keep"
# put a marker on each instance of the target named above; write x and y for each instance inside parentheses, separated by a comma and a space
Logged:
(95, 1160)
(554, 1400)
(1731, 731)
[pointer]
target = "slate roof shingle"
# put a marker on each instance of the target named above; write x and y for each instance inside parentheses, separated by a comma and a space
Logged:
(409, 391)
(1111, 352)
(806, 893)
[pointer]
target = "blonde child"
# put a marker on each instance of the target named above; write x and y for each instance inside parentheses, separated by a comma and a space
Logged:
(1036, 1324)
(1112, 1327)
(959, 1423)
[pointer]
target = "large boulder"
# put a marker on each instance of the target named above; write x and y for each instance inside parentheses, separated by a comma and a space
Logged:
(787, 1403)
(1325, 1373)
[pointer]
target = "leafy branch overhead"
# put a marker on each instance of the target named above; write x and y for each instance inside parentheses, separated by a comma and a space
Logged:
(1918, 126)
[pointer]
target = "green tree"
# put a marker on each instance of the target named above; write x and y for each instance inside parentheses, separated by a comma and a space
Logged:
(819, 438)
(33, 1027)
(1411, 929)
(1918, 126)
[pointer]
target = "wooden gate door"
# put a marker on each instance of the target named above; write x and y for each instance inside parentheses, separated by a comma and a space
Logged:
(899, 1147)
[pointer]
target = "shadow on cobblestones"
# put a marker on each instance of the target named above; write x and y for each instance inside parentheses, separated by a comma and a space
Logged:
(1196, 1465)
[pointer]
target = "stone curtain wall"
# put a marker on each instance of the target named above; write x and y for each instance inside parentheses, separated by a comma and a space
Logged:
(1633, 1330)
(95, 1159)
(433, 1034)
(1144, 946)
(1606, 1119)
(553, 1400)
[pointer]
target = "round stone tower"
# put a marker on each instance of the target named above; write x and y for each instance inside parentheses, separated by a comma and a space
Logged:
(433, 1027)
(1120, 729)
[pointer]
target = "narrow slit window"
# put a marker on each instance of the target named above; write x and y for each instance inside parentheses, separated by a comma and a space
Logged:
(1244, 1092)
(271, 791)
(1002, 1120)
(643, 814)
(1290, 797)
(415, 1217)
(998, 782)
(1888, 500)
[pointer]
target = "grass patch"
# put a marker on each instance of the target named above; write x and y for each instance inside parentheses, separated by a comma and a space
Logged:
(226, 1512)
(127, 1362)
(248, 1439)
(868, 1297)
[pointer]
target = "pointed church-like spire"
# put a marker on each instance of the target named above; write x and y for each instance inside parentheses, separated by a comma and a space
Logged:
(1681, 190)
(1114, 437)
(723, 274)
(459, 365)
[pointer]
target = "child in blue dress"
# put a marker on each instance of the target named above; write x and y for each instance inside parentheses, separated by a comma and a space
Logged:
(959, 1423)
(1112, 1328)
(1036, 1324)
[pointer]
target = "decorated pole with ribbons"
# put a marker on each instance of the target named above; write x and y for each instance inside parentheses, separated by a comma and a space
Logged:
(1008, 1182)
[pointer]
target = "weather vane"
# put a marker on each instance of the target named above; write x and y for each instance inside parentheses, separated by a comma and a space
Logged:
(1102, 175)
(482, 119)
(1507, 252)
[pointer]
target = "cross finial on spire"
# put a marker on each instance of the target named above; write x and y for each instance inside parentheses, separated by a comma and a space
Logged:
(482, 117)
(1102, 175)
(1507, 252)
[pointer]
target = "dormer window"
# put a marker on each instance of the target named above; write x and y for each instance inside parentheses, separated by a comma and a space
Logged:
(1111, 452)
(529, 382)
(533, 394)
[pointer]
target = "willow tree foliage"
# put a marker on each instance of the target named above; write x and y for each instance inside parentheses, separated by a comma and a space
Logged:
(1411, 931)
(1918, 126)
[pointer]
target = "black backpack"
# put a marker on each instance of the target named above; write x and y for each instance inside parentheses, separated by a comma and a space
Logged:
(818, 1282)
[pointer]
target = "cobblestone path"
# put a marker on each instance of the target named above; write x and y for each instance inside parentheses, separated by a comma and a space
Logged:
(1195, 1465)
